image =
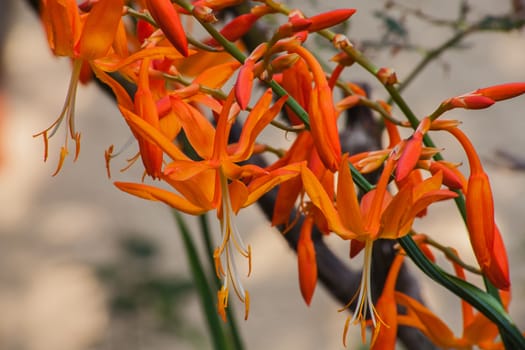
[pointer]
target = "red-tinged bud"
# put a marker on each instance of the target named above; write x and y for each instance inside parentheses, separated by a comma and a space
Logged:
(204, 14)
(262, 10)
(217, 5)
(243, 86)
(167, 18)
(144, 30)
(329, 19)
(343, 59)
(469, 102)
(450, 174)
(502, 92)
(410, 153)
(386, 76)
(283, 62)
(236, 29)
(306, 260)
(340, 42)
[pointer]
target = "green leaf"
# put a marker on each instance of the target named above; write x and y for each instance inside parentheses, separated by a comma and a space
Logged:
(484, 302)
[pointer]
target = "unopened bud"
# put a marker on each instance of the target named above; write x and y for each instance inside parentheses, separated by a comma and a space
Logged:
(387, 76)
(204, 14)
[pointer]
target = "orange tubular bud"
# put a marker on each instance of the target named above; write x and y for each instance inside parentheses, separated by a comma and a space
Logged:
(234, 30)
(168, 20)
(323, 123)
(480, 218)
(410, 154)
(306, 260)
(484, 235)
(469, 102)
(323, 116)
(243, 86)
(329, 19)
(412, 150)
(502, 92)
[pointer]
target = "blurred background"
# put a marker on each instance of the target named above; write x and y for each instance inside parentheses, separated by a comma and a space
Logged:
(85, 266)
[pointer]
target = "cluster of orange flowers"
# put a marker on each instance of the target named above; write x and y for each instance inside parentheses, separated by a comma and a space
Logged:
(181, 89)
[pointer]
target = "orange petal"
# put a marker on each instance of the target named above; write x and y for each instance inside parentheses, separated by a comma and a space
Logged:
(347, 203)
(100, 29)
(197, 127)
(321, 200)
(422, 318)
(157, 194)
(265, 183)
(153, 135)
(62, 23)
(260, 116)
(216, 76)
(146, 108)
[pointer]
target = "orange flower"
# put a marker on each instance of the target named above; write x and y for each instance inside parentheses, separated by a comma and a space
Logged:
(83, 37)
(215, 181)
(379, 215)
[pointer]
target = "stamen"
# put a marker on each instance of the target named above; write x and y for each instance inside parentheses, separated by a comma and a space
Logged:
(67, 112)
(364, 304)
(231, 239)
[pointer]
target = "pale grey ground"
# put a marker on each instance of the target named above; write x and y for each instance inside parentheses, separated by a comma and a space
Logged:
(54, 230)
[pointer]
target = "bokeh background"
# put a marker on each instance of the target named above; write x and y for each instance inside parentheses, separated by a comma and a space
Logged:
(84, 266)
